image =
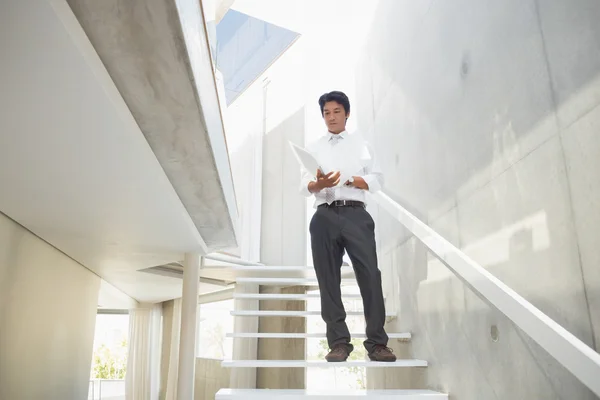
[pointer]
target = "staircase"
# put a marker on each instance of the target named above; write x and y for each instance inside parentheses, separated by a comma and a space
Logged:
(304, 276)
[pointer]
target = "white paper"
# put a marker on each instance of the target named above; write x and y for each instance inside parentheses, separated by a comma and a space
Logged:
(346, 161)
(306, 159)
(347, 165)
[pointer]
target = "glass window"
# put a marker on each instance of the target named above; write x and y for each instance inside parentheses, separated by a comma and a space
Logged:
(245, 48)
(215, 322)
(109, 359)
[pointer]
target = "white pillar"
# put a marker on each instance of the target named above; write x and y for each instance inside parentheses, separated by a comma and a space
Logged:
(189, 324)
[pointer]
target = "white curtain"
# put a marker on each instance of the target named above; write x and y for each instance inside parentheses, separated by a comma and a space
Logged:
(142, 380)
(171, 391)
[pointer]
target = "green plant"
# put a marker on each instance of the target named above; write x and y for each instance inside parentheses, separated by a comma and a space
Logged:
(110, 364)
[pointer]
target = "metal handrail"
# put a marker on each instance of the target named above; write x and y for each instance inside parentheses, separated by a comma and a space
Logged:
(577, 357)
(92, 392)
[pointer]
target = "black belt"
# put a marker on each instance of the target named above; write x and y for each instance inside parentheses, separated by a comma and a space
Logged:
(344, 203)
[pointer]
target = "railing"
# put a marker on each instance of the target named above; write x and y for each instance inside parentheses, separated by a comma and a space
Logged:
(582, 361)
(106, 389)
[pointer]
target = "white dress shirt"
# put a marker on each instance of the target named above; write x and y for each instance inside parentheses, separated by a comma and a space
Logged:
(330, 155)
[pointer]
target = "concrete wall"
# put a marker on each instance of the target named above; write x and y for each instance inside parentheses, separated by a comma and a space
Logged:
(283, 242)
(47, 317)
(244, 128)
(486, 115)
(283, 208)
(281, 349)
(210, 377)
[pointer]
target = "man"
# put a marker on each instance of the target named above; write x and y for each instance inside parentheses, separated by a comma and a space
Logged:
(342, 222)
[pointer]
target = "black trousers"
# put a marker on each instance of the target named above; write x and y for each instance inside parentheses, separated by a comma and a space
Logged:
(333, 229)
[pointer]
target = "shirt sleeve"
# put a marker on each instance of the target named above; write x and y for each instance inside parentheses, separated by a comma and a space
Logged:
(373, 173)
(306, 178)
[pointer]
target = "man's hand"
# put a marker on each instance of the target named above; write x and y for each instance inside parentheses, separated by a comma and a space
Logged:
(358, 183)
(324, 181)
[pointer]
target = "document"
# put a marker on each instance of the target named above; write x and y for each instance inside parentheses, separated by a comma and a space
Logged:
(348, 167)
(306, 160)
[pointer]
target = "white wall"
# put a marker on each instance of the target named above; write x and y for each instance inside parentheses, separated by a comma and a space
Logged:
(485, 115)
(47, 317)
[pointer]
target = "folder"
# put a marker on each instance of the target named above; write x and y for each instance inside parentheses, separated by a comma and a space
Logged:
(348, 168)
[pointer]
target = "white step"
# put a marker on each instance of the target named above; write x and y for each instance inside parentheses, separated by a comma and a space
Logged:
(278, 313)
(320, 364)
(285, 296)
(263, 335)
(318, 394)
(230, 272)
(289, 281)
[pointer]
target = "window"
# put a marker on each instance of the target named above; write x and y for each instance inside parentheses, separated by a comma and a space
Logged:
(109, 360)
(215, 322)
(246, 47)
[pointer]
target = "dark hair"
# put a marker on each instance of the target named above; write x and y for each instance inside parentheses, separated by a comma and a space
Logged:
(336, 96)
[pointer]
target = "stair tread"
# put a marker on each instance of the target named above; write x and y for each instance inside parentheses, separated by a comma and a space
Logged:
(286, 313)
(300, 335)
(324, 394)
(320, 363)
(288, 281)
(230, 273)
(288, 296)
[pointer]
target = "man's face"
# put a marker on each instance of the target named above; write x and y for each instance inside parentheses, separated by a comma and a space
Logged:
(334, 116)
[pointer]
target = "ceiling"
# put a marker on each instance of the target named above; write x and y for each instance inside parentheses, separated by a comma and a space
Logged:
(77, 170)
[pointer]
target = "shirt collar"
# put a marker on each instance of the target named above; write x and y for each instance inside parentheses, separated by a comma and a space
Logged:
(341, 135)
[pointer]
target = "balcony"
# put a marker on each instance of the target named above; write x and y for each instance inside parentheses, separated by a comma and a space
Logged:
(107, 389)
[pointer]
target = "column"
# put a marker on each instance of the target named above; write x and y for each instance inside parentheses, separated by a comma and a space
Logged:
(189, 324)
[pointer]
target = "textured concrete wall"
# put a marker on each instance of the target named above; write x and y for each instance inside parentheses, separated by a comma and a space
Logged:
(48, 308)
(485, 115)
(210, 377)
(157, 55)
(281, 349)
